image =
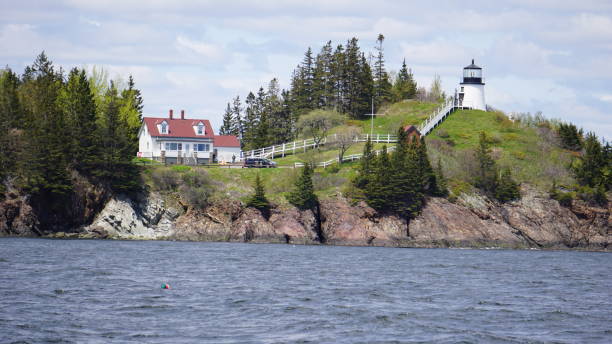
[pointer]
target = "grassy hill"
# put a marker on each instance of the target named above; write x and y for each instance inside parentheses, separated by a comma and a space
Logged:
(532, 154)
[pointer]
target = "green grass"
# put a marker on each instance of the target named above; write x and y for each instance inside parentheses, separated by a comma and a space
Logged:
(523, 150)
(396, 115)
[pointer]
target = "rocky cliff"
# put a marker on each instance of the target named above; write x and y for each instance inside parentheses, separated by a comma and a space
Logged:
(472, 221)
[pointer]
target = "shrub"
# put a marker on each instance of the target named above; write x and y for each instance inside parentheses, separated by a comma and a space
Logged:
(180, 168)
(258, 200)
(197, 188)
(518, 155)
(565, 198)
(443, 133)
(165, 179)
(335, 168)
(322, 182)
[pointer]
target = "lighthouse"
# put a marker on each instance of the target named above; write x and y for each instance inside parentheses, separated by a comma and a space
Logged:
(471, 88)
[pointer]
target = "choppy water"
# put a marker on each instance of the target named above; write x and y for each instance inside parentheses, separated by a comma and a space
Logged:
(109, 291)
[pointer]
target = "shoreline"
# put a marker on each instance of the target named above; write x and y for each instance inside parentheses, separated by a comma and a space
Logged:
(420, 245)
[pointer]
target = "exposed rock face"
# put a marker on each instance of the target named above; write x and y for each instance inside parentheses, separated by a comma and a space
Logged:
(473, 221)
(17, 218)
(146, 218)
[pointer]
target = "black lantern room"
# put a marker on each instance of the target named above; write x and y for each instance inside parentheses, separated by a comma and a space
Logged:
(472, 74)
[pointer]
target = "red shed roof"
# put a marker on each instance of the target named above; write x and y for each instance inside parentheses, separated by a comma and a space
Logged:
(410, 128)
(178, 127)
(226, 141)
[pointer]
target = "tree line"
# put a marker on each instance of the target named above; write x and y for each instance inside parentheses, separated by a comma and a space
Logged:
(53, 124)
(339, 78)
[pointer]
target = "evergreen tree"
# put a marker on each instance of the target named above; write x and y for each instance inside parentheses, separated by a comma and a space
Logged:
(382, 86)
(425, 171)
(116, 148)
(10, 118)
(236, 127)
(507, 189)
(337, 70)
(44, 165)
(590, 168)
(77, 102)
(378, 187)
(405, 86)
(251, 121)
(571, 137)
(366, 167)
(486, 175)
(258, 200)
(130, 113)
(322, 78)
(407, 191)
(228, 121)
(303, 196)
(442, 186)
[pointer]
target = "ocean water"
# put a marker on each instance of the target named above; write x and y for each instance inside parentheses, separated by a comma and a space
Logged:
(86, 291)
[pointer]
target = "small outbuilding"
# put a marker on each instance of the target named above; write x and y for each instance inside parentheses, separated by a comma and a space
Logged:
(412, 133)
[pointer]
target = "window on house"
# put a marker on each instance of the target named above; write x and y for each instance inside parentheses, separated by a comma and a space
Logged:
(200, 129)
(201, 147)
(164, 128)
(172, 146)
(187, 146)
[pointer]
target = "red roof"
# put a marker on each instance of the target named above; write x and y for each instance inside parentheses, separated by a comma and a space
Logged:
(226, 141)
(410, 128)
(178, 127)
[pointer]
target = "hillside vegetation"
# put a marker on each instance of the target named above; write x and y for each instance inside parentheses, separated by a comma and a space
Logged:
(533, 154)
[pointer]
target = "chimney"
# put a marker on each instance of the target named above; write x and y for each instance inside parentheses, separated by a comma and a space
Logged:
(182, 114)
(170, 113)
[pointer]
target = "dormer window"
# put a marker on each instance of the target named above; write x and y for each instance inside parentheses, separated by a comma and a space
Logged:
(200, 129)
(164, 127)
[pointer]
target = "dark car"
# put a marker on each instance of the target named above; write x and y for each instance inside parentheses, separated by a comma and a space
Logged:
(258, 163)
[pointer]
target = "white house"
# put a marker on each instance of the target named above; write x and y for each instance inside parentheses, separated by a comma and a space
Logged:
(184, 141)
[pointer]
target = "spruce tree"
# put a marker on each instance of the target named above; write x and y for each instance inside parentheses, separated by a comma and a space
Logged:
(378, 189)
(116, 148)
(236, 127)
(10, 118)
(77, 102)
(258, 200)
(405, 86)
(571, 137)
(426, 172)
(590, 167)
(130, 113)
(507, 189)
(365, 173)
(228, 119)
(303, 196)
(44, 164)
(407, 191)
(442, 186)
(382, 86)
(251, 121)
(486, 175)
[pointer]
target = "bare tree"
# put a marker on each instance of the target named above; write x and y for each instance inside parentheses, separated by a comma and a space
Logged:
(344, 139)
(317, 123)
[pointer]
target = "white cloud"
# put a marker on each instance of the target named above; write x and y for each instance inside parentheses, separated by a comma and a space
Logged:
(204, 49)
(605, 98)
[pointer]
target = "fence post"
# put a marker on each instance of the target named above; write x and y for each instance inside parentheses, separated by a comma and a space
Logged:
(283, 150)
(304, 146)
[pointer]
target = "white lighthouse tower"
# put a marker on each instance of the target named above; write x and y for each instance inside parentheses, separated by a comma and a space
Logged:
(471, 88)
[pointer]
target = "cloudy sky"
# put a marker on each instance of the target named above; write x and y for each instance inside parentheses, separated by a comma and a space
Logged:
(553, 56)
